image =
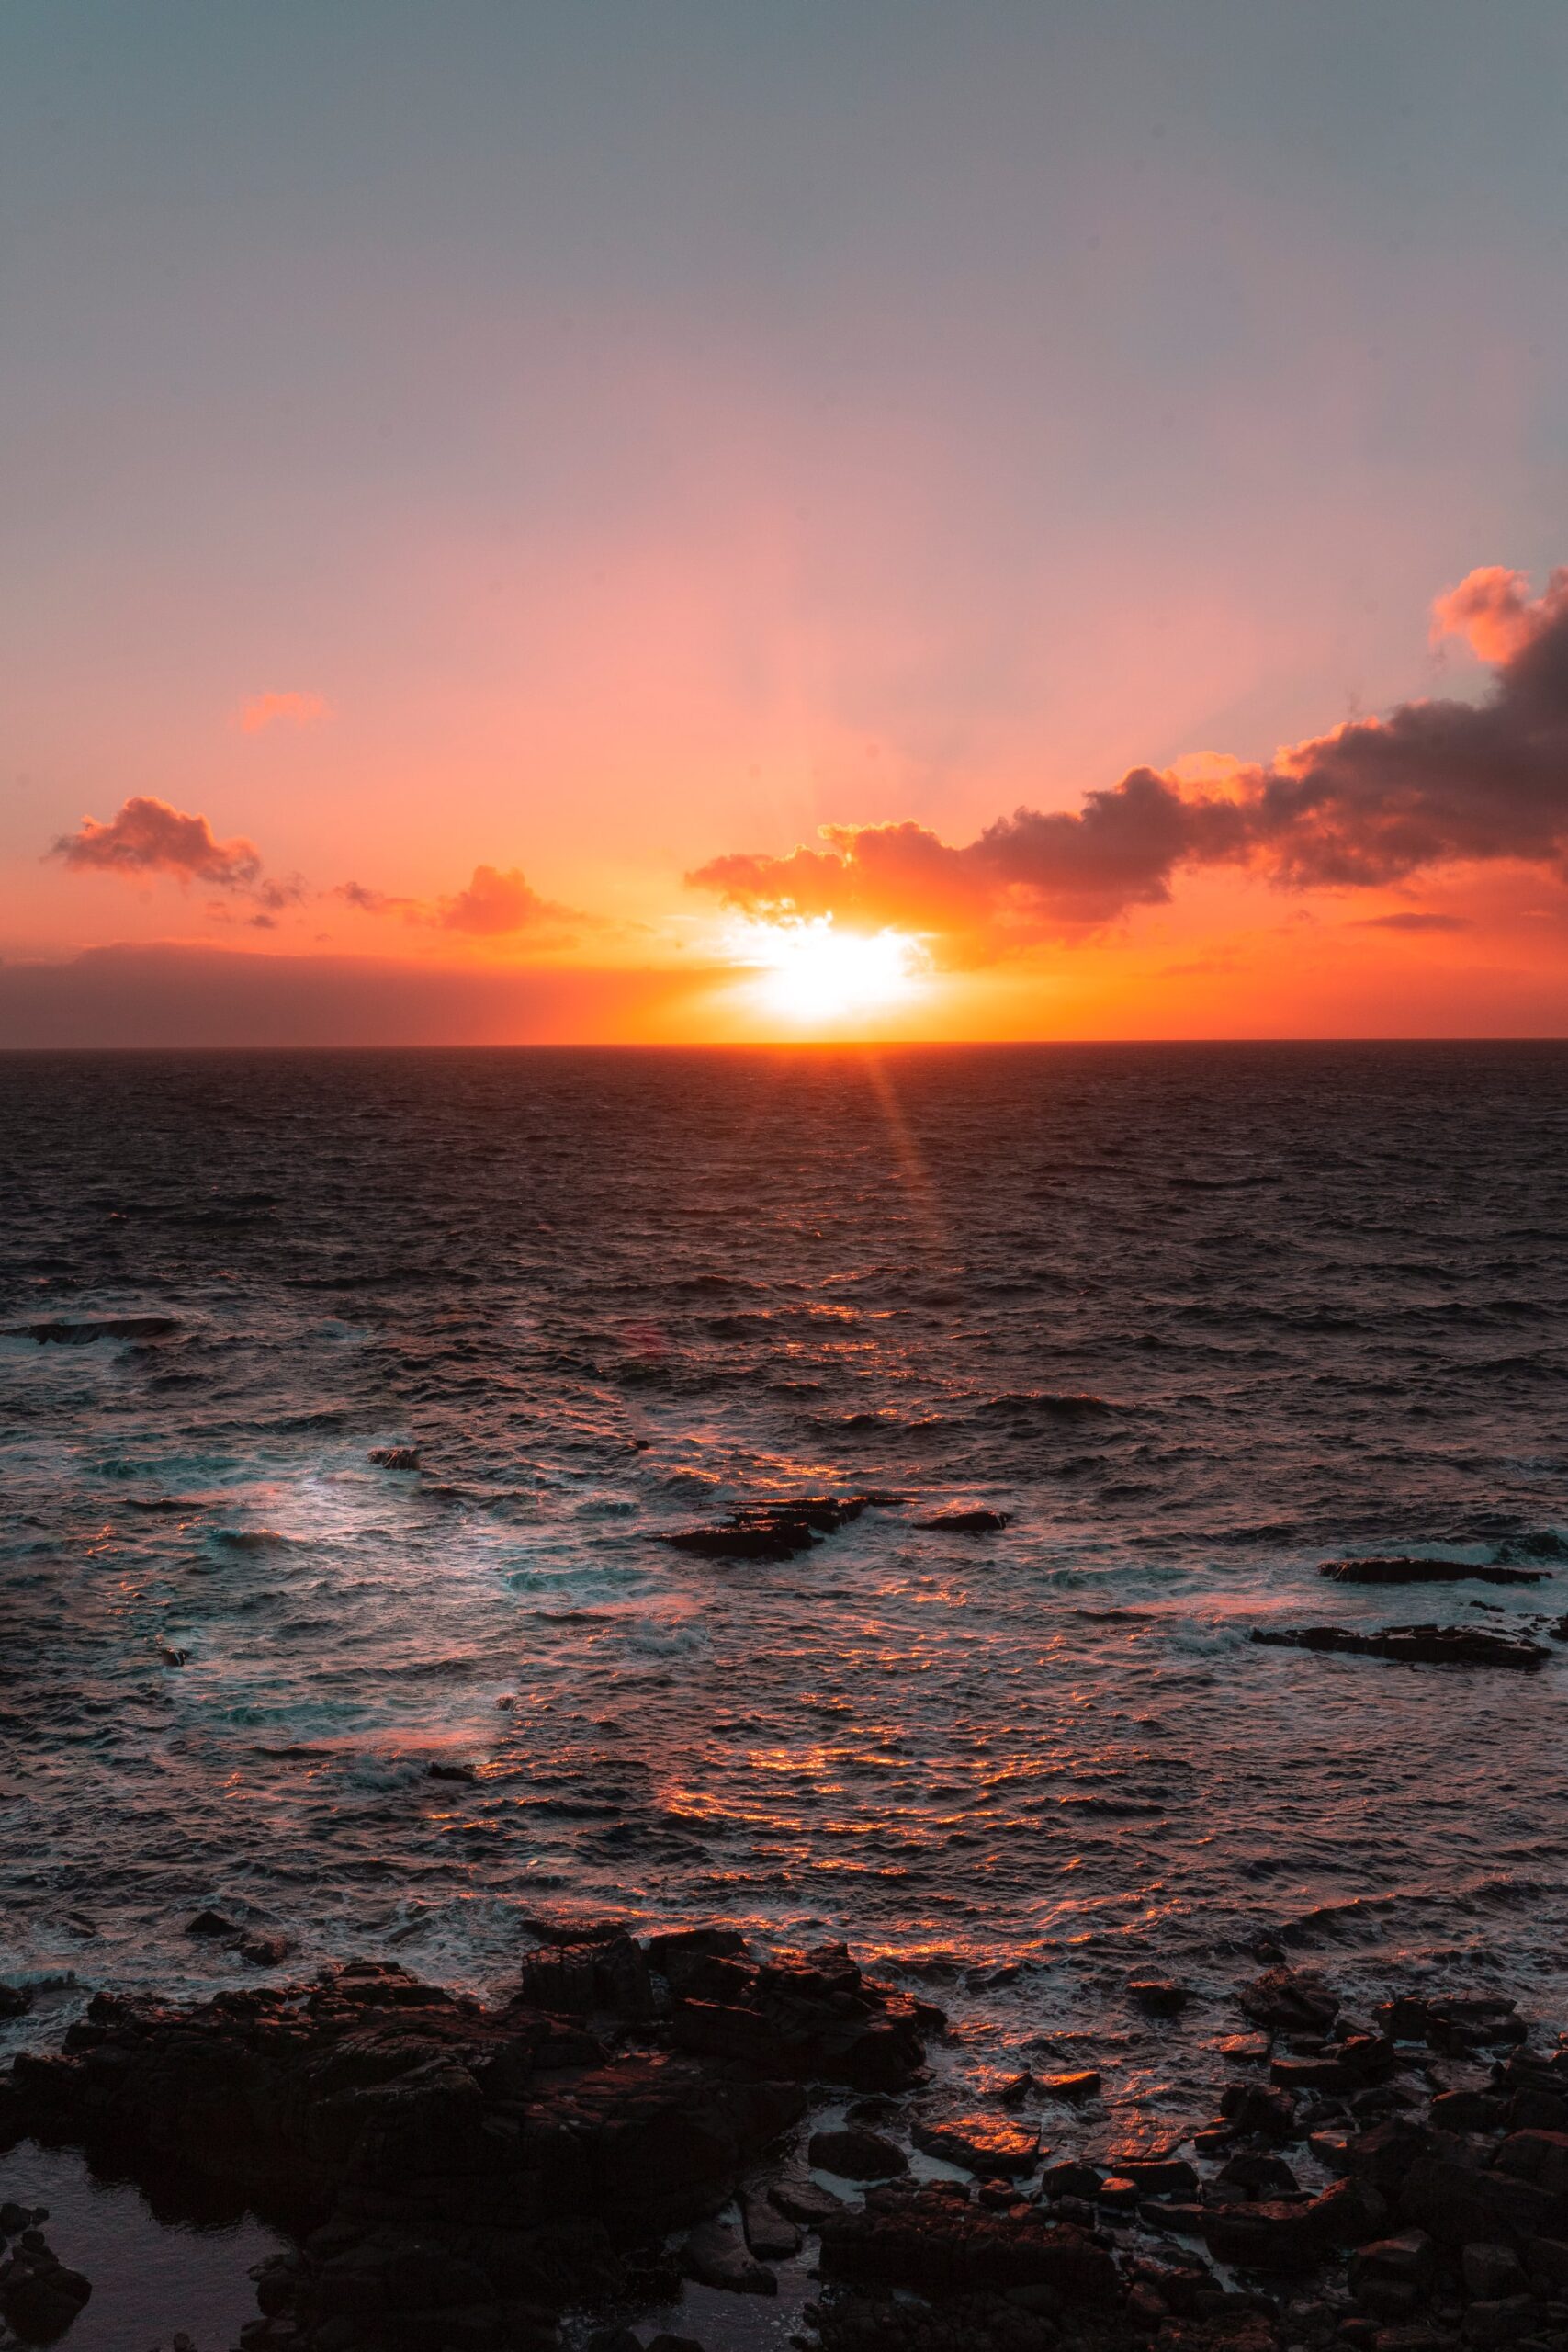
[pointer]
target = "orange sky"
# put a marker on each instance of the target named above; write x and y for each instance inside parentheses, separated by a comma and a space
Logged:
(486, 507)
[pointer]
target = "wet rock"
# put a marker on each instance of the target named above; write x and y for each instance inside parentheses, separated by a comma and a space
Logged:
(1162, 2177)
(715, 2256)
(804, 2200)
(1160, 1996)
(1392, 2276)
(266, 1951)
(1083, 2083)
(770, 2234)
(665, 2343)
(1285, 2237)
(1452, 2021)
(857, 2156)
(465, 2158)
(16, 2000)
(980, 2143)
(583, 1980)
(965, 1522)
(813, 2018)
(770, 1531)
(82, 1334)
(1249, 2108)
(1289, 2000)
(1416, 1571)
(1250, 2175)
(211, 1923)
(395, 1457)
(941, 2246)
(40, 2297)
(1425, 1645)
(1014, 2092)
(1070, 2178)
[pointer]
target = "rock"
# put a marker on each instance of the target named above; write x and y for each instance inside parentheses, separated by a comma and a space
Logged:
(935, 2243)
(1408, 2260)
(395, 1457)
(1460, 2203)
(1424, 1645)
(1016, 2089)
(266, 1951)
(1161, 2177)
(1289, 2000)
(83, 1334)
(770, 2234)
(1499, 2322)
(1537, 2155)
(856, 2156)
(1119, 2194)
(211, 1923)
(965, 1522)
(1160, 1996)
(1084, 2083)
(1249, 2174)
(771, 1530)
(1547, 2262)
(1249, 2107)
(40, 2297)
(1452, 2021)
(715, 2257)
(16, 2000)
(1468, 2111)
(1279, 2236)
(1413, 1571)
(663, 2343)
(464, 2156)
(1070, 2179)
(804, 2200)
(981, 2143)
(810, 2017)
(1491, 2272)
(583, 1980)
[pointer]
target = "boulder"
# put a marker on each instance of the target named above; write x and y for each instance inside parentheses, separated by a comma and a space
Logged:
(1285, 2235)
(857, 2156)
(980, 2143)
(1160, 1996)
(1492, 2272)
(941, 2246)
(715, 2256)
(1289, 2000)
(769, 2234)
(965, 1522)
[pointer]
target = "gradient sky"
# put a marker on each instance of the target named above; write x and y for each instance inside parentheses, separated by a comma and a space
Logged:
(486, 463)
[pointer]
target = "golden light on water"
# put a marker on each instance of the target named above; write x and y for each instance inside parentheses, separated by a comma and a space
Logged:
(814, 976)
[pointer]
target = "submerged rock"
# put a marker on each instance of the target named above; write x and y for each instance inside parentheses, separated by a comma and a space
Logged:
(965, 1522)
(1411, 1571)
(1411, 1644)
(395, 1457)
(770, 1531)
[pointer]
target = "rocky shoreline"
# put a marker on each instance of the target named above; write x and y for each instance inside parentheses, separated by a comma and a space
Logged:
(518, 2177)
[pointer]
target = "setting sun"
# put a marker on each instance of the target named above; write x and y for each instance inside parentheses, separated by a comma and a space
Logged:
(814, 974)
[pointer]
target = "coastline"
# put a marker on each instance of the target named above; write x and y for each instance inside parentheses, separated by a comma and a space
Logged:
(549, 2171)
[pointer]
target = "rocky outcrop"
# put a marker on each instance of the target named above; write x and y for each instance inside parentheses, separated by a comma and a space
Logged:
(1411, 1644)
(1404, 1571)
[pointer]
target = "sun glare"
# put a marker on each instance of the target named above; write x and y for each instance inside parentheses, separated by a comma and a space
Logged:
(813, 974)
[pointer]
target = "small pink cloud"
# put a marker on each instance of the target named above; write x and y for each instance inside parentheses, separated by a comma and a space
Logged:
(263, 711)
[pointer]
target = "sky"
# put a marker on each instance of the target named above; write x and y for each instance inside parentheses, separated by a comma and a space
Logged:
(789, 518)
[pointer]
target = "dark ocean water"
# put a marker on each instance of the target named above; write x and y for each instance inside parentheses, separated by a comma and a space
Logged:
(1199, 1318)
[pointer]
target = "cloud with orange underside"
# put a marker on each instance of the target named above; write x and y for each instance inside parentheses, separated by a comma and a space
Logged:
(1436, 784)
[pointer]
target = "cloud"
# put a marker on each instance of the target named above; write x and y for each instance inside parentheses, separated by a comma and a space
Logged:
(1413, 922)
(1436, 783)
(147, 836)
(495, 905)
(263, 711)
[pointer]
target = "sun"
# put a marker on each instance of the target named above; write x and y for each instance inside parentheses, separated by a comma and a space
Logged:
(812, 974)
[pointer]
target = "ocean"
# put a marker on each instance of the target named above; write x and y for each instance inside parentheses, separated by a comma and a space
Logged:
(1196, 1318)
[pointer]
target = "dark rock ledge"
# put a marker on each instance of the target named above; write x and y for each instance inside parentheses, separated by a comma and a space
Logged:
(460, 2176)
